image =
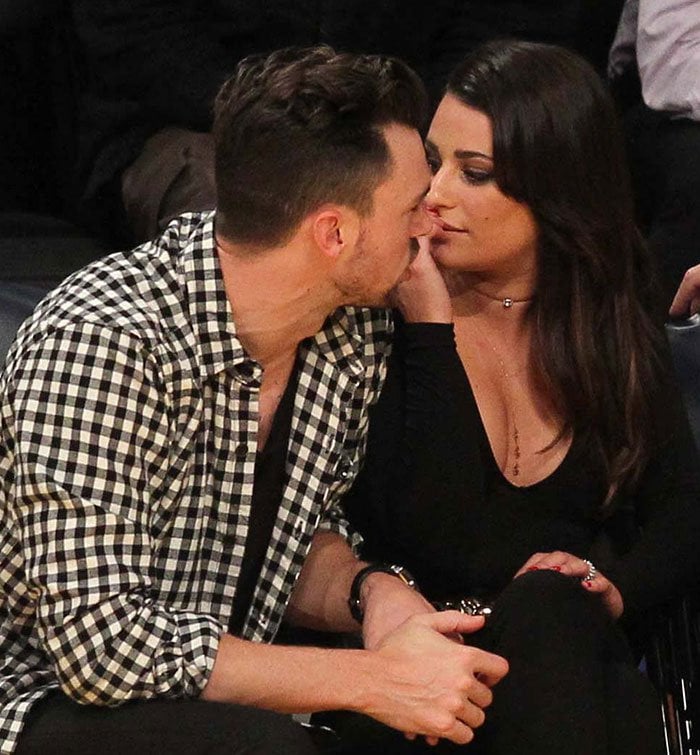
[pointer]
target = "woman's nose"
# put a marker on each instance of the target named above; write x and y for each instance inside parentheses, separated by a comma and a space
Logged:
(438, 194)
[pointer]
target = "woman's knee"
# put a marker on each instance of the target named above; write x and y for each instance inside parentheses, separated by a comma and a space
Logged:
(548, 601)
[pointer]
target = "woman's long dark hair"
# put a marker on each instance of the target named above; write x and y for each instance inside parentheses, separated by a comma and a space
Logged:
(557, 147)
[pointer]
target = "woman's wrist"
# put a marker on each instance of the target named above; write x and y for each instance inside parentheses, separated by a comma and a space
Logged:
(427, 334)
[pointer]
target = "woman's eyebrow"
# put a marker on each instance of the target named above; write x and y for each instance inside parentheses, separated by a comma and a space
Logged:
(460, 154)
(463, 154)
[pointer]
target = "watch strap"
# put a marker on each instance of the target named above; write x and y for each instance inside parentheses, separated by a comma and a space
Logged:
(354, 601)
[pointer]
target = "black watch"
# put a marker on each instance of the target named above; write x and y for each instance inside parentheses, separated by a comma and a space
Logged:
(395, 570)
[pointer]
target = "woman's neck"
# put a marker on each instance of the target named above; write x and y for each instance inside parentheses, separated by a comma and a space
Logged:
(504, 298)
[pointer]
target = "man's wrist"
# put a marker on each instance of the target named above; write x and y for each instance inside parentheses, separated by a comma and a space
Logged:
(361, 585)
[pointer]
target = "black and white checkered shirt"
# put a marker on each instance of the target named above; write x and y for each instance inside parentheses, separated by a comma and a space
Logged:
(129, 435)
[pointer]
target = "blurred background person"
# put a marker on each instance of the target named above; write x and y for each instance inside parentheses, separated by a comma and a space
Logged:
(655, 69)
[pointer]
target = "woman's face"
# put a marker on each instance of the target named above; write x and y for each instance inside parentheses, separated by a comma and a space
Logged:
(478, 228)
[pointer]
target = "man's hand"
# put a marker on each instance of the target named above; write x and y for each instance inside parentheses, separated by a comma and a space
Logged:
(388, 602)
(687, 299)
(422, 295)
(417, 680)
(432, 686)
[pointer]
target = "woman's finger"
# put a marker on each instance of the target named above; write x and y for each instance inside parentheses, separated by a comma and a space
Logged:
(687, 298)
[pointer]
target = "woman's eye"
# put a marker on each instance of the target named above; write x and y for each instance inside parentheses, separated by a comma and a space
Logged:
(433, 164)
(477, 177)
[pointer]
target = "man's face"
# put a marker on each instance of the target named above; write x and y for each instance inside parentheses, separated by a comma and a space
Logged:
(387, 241)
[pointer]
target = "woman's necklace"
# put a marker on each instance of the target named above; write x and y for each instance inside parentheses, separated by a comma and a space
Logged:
(507, 376)
(510, 409)
(506, 301)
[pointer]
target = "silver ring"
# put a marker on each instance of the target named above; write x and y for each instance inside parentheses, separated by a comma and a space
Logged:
(592, 571)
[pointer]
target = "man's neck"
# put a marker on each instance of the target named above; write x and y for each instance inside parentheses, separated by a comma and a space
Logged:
(277, 299)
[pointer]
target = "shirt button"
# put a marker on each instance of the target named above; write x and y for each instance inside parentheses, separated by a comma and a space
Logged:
(265, 615)
(298, 530)
(241, 451)
(345, 469)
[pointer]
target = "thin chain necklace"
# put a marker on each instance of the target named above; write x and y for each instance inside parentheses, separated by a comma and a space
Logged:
(506, 301)
(515, 469)
(507, 377)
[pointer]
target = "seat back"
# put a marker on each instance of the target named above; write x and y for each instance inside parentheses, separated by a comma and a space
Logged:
(684, 338)
(673, 655)
(17, 301)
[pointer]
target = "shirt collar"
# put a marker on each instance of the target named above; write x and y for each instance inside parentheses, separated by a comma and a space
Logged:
(209, 309)
(339, 341)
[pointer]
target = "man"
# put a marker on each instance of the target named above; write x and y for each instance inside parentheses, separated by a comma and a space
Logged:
(179, 424)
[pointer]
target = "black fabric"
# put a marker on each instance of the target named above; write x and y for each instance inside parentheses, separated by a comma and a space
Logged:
(270, 480)
(59, 726)
(431, 497)
(572, 685)
(150, 65)
(26, 15)
(664, 160)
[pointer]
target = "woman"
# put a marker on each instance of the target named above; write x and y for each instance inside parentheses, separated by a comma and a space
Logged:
(529, 428)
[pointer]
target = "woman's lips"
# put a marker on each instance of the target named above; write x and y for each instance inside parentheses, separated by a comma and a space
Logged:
(441, 225)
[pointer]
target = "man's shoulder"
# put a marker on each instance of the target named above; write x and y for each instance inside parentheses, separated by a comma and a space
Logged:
(140, 293)
(125, 291)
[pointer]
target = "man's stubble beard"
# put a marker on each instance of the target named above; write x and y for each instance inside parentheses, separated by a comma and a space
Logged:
(357, 291)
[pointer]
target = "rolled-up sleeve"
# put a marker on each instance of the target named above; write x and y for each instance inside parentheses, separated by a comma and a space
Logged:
(90, 440)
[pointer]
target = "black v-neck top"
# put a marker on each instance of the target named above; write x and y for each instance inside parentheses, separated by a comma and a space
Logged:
(431, 496)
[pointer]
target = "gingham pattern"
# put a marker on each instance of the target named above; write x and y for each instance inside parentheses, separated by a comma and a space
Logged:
(128, 411)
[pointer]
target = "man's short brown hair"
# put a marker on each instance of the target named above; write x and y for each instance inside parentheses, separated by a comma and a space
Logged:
(298, 128)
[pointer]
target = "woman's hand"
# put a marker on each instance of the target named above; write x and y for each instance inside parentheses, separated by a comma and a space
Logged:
(573, 566)
(422, 295)
(687, 299)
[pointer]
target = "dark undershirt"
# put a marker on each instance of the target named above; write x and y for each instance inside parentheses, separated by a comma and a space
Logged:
(270, 479)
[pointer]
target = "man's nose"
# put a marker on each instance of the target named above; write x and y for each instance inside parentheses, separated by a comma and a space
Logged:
(424, 222)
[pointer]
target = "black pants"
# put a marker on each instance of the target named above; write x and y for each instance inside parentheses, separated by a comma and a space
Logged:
(665, 164)
(160, 727)
(573, 686)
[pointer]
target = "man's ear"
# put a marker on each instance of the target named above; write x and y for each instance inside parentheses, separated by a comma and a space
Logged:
(335, 229)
